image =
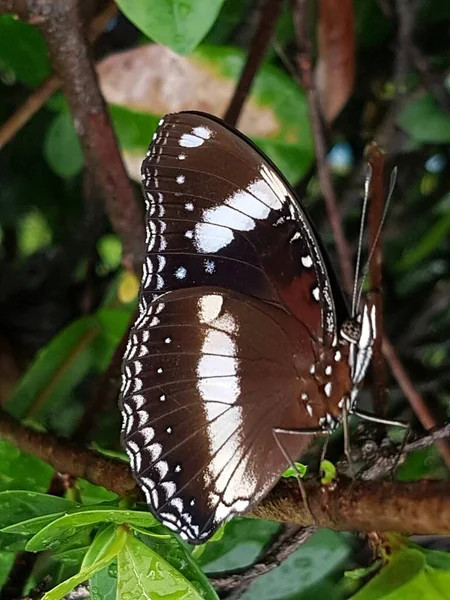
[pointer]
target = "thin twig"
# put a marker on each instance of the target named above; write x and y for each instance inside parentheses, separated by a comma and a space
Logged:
(68, 457)
(258, 47)
(233, 586)
(306, 74)
(37, 98)
(416, 401)
(376, 161)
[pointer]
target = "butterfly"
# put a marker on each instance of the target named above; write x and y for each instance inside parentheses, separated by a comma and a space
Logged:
(243, 348)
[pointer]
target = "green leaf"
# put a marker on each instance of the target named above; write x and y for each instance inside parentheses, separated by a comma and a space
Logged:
(62, 148)
(329, 472)
(392, 580)
(93, 494)
(21, 506)
(57, 369)
(323, 554)
(31, 526)
(242, 542)
(34, 233)
(109, 248)
(51, 536)
(67, 586)
(179, 557)
(6, 562)
(435, 235)
(425, 121)
(100, 546)
(144, 574)
(23, 50)
(20, 471)
(363, 572)
(113, 324)
(103, 584)
(178, 24)
(300, 469)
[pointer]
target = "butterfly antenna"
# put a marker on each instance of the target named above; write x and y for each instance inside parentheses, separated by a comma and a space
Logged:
(355, 298)
(392, 183)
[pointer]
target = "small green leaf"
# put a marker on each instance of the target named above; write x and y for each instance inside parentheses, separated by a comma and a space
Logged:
(329, 472)
(62, 147)
(23, 50)
(392, 579)
(100, 546)
(144, 574)
(179, 24)
(425, 121)
(300, 469)
(364, 571)
(34, 233)
(50, 537)
(21, 506)
(67, 586)
(109, 249)
(56, 369)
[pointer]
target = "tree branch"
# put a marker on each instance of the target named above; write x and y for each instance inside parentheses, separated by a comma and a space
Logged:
(68, 457)
(233, 586)
(419, 507)
(304, 63)
(37, 98)
(65, 34)
(258, 47)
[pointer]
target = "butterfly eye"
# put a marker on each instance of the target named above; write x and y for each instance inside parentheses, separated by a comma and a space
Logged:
(351, 331)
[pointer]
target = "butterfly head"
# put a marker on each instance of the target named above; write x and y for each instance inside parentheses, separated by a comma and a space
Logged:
(359, 333)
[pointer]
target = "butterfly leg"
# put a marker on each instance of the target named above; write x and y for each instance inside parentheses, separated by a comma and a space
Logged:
(310, 431)
(395, 423)
(347, 445)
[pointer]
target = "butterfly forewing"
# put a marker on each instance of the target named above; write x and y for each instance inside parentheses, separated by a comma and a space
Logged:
(220, 214)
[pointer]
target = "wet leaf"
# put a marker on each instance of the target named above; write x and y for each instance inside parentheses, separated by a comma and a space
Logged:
(51, 536)
(67, 586)
(19, 506)
(144, 574)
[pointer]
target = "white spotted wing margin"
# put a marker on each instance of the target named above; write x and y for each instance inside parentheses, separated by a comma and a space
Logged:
(219, 213)
(198, 432)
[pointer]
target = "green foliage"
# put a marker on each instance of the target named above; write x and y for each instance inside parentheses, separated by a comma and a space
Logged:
(23, 51)
(179, 24)
(425, 121)
(64, 312)
(62, 147)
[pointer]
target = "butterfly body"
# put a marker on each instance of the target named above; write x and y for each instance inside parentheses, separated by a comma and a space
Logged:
(238, 346)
